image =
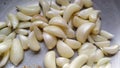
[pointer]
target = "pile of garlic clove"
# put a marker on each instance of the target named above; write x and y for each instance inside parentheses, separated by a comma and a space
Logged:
(68, 27)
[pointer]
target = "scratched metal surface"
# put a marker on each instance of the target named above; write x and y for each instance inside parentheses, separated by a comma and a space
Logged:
(110, 22)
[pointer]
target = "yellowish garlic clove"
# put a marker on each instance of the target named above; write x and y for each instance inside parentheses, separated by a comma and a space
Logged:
(23, 17)
(33, 43)
(30, 10)
(85, 13)
(8, 21)
(106, 34)
(67, 52)
(63, 3)
(2, 37)
(11, 36)
(61, 61)
(79, 2)
(45, 6)
(60, 12)
(77, 21)
(58, 21)
(108, 65)
(49, 40)
(54, 30)
(111, 50)
(79, 61)
(98, 38)
(83, 31)
(38, 33)
(3, 24)
(102, 44)
(103, 61)
(4, 59)
(39, 17)
(85, 66)
(88, 3)
(24, 25)
(90, 39)
(54, 5)
(67, 65)
(71, 8)
(87, 48)
(49, 60)
(5, 31)
(22, 31)
(97, 27)
(13, 19)
(74, 44)
(24, 41)
(16, 52)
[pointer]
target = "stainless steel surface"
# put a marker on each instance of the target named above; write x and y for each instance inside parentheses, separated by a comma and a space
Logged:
(110, 22)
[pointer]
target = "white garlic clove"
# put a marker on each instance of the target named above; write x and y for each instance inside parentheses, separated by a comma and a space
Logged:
(67, 65)
(11, 36)
(98, 38)
(49, 40)
(90, 39)
(79, 61)
(74, 44)
(49, 60)
(77, 21)
(98, 55)
(67, 52)
(5, 31)
(83, 31)
(106, 34)
(8, 21)
(2, 37)
(79, 2)
(33, 43)
(63, 3)
(38, 33)
(29, 10)
(22, 31)
(102, 44)
(111, 50)
(103, 61)
(24, 41)
(87, 48)
(71, 8)
(87, 3)
(23, 17)
(3, 24)
(16, 52)
(85, 66)
(61, 61)
(24, 25)
(60, 12)
(54, 30)
(45, 6)
(108, 65)
(58, 21)
(85, 13)
(13, 19)
(54, 5)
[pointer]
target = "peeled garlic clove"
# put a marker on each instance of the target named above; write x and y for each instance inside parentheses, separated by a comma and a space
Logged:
(70, 33)
(5, 31)
(2, 37)
(54, 30)
(22, 31)
(103, 61)
(74, 44)
(90, 39)
(16, 52)
(24, 41)
(77, 21)
(61, 61)
(4, 59)
(33, 43)
(3, 24)
(83, 31)
(31, 10)
(38, 33)
(54, 5)
(45, 6)
(23, 17)
(50, 40)
(87, 3)
(5, 45)
(108, 65)
(11, 36)
(111, 50)
(71, 8)
(63, 3)
(85, 66)
(13, 19)
(67, 52)
(98, 38)
(103, 44)
(79, 61)
(79, 2)
(24, 25)
(58, 21)
(8, 21)
(97, 27)
(87, 48)
(49, 60)
(60, 12)
(39, 17)
(85, 13)
(106, 34)
(67, 65)
(98, 55)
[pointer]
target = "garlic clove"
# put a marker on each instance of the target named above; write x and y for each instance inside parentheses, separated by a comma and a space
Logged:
(90, 39)
(63, 3)
(5, 31)
(87, 3)
(24, 25)
(3, 24)
(102, 44)
(85, 66)
(54, 5)
(79, 2)
(11, 36)
(67, 65)
(2, 37)
(98, 38)
(103, 61)
(22, 31)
